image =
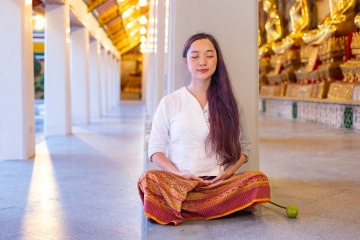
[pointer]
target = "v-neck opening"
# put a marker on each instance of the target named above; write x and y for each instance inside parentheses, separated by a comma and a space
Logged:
(205, 108)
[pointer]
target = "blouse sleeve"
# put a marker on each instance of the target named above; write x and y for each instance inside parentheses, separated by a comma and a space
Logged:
(159, 135)
(244, 137)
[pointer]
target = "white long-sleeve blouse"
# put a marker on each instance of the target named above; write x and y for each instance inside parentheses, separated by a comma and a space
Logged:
(179, 130)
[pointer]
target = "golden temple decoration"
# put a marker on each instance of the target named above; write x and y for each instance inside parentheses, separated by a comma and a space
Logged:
(92, 4)
(271, 91)
(299, 16)
(357, 20)
(259, 37)
(341, 91)
(108, 15)
(340, 20)
(322, 63)
(355, 45)
(113, 27)
(273, 26)
(332, 47)
(286, 58)
(351, 69)
(320, 90)
(121, 33)
(299, 91)
(124, 6)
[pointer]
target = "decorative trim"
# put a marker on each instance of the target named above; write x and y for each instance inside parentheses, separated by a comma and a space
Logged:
(337, 114)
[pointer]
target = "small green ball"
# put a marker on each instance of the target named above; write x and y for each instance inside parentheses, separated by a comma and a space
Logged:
(292, 211)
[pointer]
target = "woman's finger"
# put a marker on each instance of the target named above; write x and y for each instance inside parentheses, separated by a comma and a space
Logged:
(193, 177)
(218, 178)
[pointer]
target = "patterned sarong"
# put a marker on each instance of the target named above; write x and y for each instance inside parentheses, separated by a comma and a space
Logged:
(169, 198)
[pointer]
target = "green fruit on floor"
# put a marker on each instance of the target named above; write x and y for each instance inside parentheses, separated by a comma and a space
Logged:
(292, 211)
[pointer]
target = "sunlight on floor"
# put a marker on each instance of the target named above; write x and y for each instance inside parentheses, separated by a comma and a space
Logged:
(43, 192)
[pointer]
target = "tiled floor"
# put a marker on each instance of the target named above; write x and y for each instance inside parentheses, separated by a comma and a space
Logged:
(313, 166)
(83, 186)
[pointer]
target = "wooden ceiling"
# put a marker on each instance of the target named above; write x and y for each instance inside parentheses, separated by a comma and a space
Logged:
(118, 18)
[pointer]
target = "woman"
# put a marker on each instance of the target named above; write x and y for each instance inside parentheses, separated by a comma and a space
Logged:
(198, 140)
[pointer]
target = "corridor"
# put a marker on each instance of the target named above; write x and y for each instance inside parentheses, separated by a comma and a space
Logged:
(83, 186)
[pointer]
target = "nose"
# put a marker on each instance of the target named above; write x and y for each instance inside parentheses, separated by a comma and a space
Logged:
(202, 60)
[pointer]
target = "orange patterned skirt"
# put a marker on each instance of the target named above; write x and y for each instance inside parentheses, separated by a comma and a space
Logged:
(169, 198)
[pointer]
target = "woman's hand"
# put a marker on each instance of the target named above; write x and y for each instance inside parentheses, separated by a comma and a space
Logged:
(223, 175)
(165, 164)
(191, 176)
(230, 170)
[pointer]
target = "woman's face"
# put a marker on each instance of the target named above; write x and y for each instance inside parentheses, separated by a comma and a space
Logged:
(201, 59)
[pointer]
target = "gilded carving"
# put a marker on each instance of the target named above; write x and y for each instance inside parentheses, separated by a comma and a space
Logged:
(340, 19)
(299, 23)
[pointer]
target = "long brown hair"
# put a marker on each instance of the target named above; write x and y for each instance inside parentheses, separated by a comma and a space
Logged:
(223, 111)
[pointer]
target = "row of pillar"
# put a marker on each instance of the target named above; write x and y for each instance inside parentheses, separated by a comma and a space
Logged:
(82, 78)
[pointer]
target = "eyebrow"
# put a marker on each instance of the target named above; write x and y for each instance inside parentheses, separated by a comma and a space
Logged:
(195, 51)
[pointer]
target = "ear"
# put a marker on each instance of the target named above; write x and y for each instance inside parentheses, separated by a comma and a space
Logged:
(185, 61)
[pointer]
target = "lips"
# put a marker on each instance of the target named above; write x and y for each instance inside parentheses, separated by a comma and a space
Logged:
(203, 70)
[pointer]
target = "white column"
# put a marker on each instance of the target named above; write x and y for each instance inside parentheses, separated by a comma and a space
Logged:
(144, 78)
(94, 78)
(159, 74)
(150, 63)
(234, 24)
(109, 81)
(114, 76)
(17, 124)
(118, 81)
(150, 84)
(79, 76)
(104, 106)
(155, 58)
(57, 70)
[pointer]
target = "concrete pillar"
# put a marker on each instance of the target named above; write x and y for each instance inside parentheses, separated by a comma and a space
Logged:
(115, 82)
(109, 82)
(154, 60)
(150, 62)
(57, 70)
(17, 124)
(234, 24)
(151, 94)
(118, 81)
(104, 102)
(159, 49)
(145, 79)
(110, 89)
(79, 76)
(94, 78)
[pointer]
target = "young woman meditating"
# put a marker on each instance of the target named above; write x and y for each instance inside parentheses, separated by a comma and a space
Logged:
(199, 140)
